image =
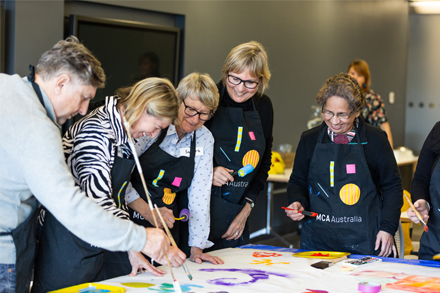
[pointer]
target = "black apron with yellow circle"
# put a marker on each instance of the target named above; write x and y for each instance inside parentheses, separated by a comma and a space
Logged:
(342, 192)
(166, 176)
(239, 142)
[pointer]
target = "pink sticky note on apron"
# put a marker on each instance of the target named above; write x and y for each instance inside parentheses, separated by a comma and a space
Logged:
(252, 135)
(351, 168)
(177, 181)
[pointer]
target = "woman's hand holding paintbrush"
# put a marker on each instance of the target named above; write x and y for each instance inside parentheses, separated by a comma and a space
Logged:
(418, 213)
(296, 212)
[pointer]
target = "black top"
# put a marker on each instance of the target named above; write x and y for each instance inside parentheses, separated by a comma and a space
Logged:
(264, 107)
(429, 156)
(381, 162)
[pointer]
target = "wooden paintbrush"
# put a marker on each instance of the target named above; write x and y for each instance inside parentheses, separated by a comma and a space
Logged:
(176, 284)
(418, 215)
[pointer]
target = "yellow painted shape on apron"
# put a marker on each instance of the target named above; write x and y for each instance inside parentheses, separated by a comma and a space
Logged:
(251, 157)
(349, 194)
(168, 196)
(239, 136)
(332, 173)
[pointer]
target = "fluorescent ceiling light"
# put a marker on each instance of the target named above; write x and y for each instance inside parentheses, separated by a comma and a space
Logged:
(425, 7)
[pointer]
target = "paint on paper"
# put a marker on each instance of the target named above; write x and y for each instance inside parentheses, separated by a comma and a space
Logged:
(265, 254)
(315, 291)
(417, 284)
(167, 287)
(138, 284)
(256, 275)
(267, 262)
(380, 274)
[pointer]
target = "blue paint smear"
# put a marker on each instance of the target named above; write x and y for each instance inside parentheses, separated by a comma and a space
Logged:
(415, 262)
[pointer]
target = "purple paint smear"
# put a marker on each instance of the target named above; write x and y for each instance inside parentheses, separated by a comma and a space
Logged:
(254, 274)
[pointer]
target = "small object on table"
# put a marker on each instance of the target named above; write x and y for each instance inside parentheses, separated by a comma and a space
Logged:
(362, 261)
(418, 215)
(322, 264)
(369, 287)
(313, 254)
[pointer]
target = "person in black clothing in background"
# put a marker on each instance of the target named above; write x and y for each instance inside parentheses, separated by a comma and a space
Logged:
(242, 128)
(345, 171)
(425, 192)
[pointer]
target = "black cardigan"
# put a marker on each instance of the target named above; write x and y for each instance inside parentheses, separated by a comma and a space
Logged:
(428, 159)
(264, 107)
(380, 160)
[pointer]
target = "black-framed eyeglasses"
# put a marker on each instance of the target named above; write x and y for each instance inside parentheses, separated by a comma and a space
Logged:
(342, 116)
(250, 84)
(191, 112)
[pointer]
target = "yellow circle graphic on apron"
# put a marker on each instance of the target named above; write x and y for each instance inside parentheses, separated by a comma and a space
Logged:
(251, 158)
(349, 194)
(168, 196)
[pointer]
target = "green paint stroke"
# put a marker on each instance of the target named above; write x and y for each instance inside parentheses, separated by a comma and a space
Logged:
(167, 287)
(138, 284)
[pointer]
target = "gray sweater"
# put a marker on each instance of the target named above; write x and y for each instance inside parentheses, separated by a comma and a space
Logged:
(32, 163)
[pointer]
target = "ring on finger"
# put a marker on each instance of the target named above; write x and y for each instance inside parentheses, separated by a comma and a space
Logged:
(236, 233)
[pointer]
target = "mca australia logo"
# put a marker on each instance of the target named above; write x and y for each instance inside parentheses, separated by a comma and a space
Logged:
(333, 219)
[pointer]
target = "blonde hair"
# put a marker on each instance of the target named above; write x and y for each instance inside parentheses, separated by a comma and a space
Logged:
(156, 94)
(199, 86)
(248, 55)
(70, 56)
(361, 67)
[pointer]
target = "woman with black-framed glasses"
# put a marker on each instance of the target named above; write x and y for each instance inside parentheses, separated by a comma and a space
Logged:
(345, 171)
(242, 128)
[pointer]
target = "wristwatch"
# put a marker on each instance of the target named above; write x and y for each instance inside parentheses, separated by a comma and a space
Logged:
(250, 202)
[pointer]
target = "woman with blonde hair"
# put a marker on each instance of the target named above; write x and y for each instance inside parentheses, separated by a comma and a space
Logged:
(242, 128)
(99, 157)
(177, 168)
(374, 111)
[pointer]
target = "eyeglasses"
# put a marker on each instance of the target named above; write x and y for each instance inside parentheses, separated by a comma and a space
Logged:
(191, 112)
(341, 116)
(250, 84)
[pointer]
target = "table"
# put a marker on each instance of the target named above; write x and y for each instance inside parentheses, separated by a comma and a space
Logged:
(284, 178)
(262, 268)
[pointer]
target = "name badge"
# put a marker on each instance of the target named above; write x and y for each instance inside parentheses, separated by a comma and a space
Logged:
(186, 151)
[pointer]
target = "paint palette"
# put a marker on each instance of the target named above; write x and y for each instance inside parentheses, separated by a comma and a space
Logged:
(321, 254)
(90, 288)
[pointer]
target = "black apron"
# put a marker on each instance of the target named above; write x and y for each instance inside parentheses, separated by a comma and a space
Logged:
(166, 178)
(342, 192)
(24, 235)
(65, 260)
(239, 141)
(430, 242)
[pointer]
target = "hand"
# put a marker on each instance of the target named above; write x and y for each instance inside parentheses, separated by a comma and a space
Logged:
(176, 257)
(140, 263)
(294, 215)
(236, 228)
(221, 176)
(198, 256)
(157, 245)
(422, 207)
(385, 241)
(140, 206)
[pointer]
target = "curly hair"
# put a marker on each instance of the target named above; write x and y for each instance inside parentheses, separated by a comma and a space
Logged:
(70, 56)
(344, 86)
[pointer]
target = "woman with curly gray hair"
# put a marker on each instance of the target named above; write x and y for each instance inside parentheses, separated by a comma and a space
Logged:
(346, 173)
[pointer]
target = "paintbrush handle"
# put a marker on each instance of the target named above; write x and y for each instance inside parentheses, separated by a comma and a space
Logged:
(418, 215)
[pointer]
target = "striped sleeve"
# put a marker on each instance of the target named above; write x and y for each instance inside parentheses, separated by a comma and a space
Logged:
(90, 154)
